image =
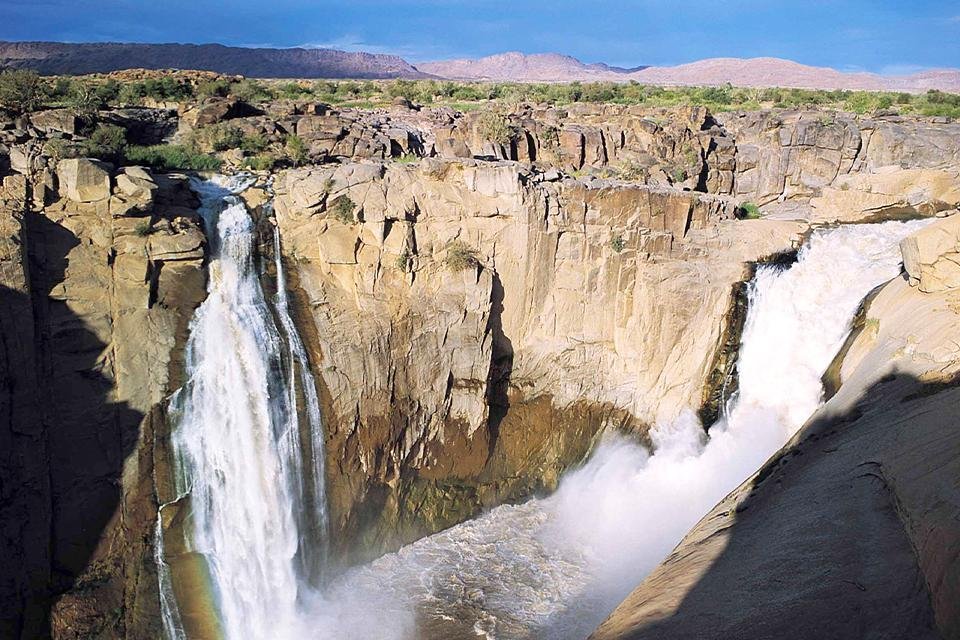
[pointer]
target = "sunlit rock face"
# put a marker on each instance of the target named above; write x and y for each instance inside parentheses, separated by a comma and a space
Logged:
(583, 306)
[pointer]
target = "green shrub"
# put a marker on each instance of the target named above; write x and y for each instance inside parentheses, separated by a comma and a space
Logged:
(172, 157)
(107, 142)
(214, 88)
(342, 209)
(262, 162)
(219, 137)
(748, 211)
(617, 243)
(21, 91)
(84, 99)
(404, 260)
(254, 143)
(296, 150)
(460, 256)
(678, 174)
(251, 91)
(58, 149)
(495, 127)
(143, 228)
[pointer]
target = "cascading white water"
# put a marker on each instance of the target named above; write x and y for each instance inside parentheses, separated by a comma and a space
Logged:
(253, 478)
(554, 568)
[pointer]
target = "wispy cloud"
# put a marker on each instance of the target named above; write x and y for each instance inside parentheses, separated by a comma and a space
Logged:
(954, 20)
(352, 42)
(901, 69)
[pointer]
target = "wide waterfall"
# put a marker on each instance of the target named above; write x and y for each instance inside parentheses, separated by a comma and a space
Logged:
(555, 567)
(247, 439)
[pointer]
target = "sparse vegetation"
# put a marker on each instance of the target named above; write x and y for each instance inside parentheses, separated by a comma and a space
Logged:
(404, 260)
(171, 156)
(495, 127)
(143, 228)
(21, 91)
(254, 143)
(107, 142)
(262, 162)
(342, 209)
(617, 243)
(58, 149)
(748, 211)
(296, 150)
(218, 137)
(460, 256)
(678, 174)
(486, 96)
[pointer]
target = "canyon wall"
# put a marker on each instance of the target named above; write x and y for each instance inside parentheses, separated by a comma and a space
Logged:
(858, 513)
(95, 312)
(477, 324)
(473, 323)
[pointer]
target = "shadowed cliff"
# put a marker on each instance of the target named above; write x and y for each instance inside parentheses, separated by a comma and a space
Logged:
(63, 444)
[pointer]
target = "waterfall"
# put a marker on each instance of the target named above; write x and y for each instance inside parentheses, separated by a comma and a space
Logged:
(555, 567)
(248, 453)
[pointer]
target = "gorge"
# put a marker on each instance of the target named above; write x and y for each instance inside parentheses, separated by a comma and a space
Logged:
(440, 383)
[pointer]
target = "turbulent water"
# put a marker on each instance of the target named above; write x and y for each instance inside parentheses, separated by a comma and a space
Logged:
(248, 444)
(248, 453)
(554, 568)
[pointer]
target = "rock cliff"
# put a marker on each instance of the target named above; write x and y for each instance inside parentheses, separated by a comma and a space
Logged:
(100, 276)
(480, 295)
(850, 530)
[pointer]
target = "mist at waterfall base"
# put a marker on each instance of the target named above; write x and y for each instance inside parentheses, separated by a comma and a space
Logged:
(556, 567)
(548, 568)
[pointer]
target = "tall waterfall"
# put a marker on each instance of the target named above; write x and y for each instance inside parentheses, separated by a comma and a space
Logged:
(554, 568)
(247, 439)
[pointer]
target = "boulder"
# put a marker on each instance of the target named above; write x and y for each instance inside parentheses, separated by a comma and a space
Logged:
(452, 148)
(931, 256)
(63, 120)
(136, 183)
(84, 180)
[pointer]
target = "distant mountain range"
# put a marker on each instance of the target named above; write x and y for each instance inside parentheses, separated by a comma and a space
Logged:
(61, 58)
(520, 67)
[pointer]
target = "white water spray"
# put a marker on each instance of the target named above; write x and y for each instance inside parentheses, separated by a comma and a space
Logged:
(554, 568)
(248, 455)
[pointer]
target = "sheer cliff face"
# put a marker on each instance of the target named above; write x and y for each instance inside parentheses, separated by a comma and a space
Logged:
(451, 386)
(93, 312)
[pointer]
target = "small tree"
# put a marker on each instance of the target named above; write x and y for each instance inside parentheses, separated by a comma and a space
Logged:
(296, 150)
(21, 91)
(495, 127)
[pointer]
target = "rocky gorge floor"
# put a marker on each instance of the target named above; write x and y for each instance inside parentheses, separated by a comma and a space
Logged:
(480, 303)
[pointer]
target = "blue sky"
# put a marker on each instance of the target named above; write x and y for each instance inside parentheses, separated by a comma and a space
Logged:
(885, 36)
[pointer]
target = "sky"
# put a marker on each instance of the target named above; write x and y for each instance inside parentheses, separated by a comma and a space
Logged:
(884, 36)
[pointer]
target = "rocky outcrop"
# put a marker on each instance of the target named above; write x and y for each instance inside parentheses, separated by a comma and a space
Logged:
(476, 324)
(99, 286)
(931, 256)
(850, 530)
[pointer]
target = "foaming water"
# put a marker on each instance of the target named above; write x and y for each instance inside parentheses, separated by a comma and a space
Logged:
(554, 568)
(252, 479)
